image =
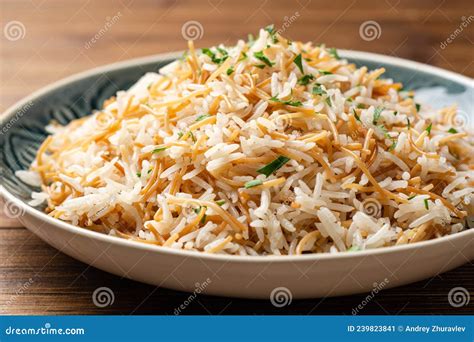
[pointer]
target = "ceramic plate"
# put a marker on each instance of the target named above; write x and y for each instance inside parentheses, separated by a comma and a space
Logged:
(22, 130)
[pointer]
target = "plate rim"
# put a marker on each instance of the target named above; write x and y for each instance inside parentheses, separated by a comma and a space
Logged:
(70, 228)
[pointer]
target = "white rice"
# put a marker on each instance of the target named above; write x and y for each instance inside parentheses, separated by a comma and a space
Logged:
(244, 153)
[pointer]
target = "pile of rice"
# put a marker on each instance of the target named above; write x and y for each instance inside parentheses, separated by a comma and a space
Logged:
(265, 147)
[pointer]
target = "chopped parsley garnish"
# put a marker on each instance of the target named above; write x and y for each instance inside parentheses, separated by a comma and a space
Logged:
(156, 150)
(229, 71)
(260, 56)
(395, 113)
(426, 204)
(214, 58)
(428, 129)
(139, 174)
(355, 115)
(192, 136)
(333, 52)
(289, 102)
(360, 105)
(299, 63)
(408, 123)
(411, 197)
(222, 51)
(452, 130)
(392, 147)
(317, 90)
(306, 79)
(377, 113)
(180, 134)
(220, 202)
(252, 183)
(417, 106)
(268, 169)
(260, 66)
(271, 29)
(202, 117)
(198, 211)
(324, 72)
(244, 56)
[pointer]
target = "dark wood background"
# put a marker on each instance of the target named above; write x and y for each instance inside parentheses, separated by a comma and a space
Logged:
(52, 42)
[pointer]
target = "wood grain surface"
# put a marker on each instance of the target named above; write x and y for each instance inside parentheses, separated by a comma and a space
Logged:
(43, 41)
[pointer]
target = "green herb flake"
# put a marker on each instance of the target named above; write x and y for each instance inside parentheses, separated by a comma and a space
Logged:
(220, 202)
(294, 103)
(324, 72)
(408, 123)
(299, 63)
(428, 129)
(260, 56)
(333, 52)
(139, 174)
(252, 183)
(411, 197)
(306, 79)
(426, 204)
(355, 115)
(192, 136)
(229, 71)
(157, 150)
(180, 134)
(417, 106)
(271, 30)
(202, 117)
(214, 58)
(377, 113)
(244, 56)
(452, 130)
(318, 90)
(392, 147)
(268, 169)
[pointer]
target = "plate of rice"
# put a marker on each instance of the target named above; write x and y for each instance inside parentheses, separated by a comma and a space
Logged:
(267, 164)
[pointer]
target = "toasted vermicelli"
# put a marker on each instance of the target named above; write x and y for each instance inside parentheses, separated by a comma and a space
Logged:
(265, 147)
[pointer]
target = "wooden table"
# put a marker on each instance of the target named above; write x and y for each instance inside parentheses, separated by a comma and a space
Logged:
(54, 39)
